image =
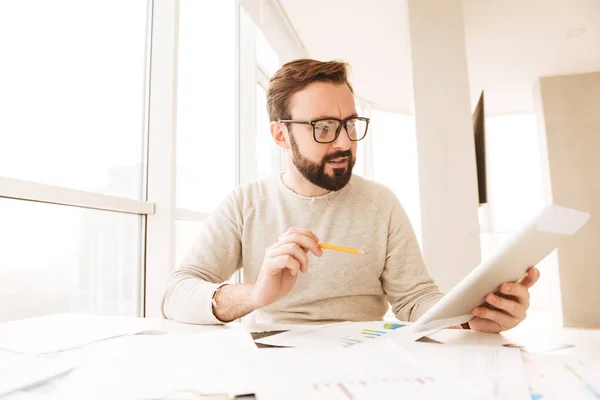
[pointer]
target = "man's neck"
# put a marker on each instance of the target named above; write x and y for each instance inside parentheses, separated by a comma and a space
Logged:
(294, 181)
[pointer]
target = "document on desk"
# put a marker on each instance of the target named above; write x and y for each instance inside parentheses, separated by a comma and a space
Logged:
(554, 377)
(52, 333)
(19, 371)
(496, 372)
(379, 370)
(165, 366)
(344, 335)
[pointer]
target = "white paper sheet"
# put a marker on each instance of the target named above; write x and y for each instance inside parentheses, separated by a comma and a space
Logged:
(344, 335)
(380, 370)
(554, 377)
(442, 323)
(165, 366)
(496, 372)
(19, 371)
(59, 332)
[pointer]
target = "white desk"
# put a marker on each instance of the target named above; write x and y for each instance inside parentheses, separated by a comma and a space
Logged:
(586, 342)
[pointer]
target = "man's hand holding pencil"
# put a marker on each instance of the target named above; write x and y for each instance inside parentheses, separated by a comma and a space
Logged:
(284, 260)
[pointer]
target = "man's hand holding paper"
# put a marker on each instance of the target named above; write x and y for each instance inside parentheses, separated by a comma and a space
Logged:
(508, 309)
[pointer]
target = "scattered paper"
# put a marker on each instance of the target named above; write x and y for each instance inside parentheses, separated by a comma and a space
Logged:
(18, 372)
(496, 372)
(52, 333)
(554, 377)
(380, 370)
(344, 335)
(540, 345)
(165, 366)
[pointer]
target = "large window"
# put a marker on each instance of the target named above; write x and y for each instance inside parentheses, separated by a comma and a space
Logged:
(73, 103)
(123, 126)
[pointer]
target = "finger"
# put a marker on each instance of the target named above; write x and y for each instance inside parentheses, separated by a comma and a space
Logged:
(279, 263)
(306, 242)
(301, 231)
(484, 325)
(510, 307)
(504, 321)
(530, 278)
(293, 250)
(516, 291)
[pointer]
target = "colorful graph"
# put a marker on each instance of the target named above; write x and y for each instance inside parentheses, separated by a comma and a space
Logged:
(366, 334)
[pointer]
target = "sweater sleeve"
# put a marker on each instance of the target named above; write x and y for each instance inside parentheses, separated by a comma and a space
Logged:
(405, 279)
(213, 259)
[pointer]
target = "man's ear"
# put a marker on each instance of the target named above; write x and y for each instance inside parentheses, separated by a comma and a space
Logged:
(279, 134)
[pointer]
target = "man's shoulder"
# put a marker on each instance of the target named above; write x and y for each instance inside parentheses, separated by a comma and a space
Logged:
(373, 192)
(250, 194)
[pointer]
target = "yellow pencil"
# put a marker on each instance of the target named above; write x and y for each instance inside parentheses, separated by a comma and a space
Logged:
(340, 248)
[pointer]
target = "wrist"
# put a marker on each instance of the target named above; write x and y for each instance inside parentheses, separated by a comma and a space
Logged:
(254, 301)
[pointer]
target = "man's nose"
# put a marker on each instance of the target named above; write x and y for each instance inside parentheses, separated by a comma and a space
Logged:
(342, 142)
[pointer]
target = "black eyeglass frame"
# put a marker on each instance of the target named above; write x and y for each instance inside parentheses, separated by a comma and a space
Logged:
(342, 122)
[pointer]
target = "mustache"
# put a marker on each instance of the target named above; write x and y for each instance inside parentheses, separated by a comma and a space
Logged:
(337, 154)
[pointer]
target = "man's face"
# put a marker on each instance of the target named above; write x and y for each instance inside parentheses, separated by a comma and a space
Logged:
(327, 165)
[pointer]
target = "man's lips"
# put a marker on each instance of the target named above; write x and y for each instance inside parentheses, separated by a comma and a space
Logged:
(339, 160)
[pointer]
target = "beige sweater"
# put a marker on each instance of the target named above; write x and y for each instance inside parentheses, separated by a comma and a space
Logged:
(338, 286)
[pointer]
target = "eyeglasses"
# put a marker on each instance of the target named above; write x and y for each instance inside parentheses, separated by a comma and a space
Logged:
(327, 130)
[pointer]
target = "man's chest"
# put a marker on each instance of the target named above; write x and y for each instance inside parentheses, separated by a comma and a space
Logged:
(338, 226)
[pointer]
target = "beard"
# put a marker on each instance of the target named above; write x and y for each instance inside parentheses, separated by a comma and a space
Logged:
(315, 172)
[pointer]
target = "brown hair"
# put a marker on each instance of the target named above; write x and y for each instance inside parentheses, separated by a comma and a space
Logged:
(295, 76)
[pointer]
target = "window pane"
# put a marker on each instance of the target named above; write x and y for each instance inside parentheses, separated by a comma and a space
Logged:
(514, 171)
(265, 55)
(395, 162)
(67, 259)
(73, 93)
(206, 104)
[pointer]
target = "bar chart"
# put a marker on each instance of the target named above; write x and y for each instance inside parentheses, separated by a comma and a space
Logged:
(369, 333)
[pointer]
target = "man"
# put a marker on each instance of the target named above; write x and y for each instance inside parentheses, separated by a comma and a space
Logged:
(272, 229)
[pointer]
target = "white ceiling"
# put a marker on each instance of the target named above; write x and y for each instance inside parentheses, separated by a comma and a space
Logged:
(510, 44)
